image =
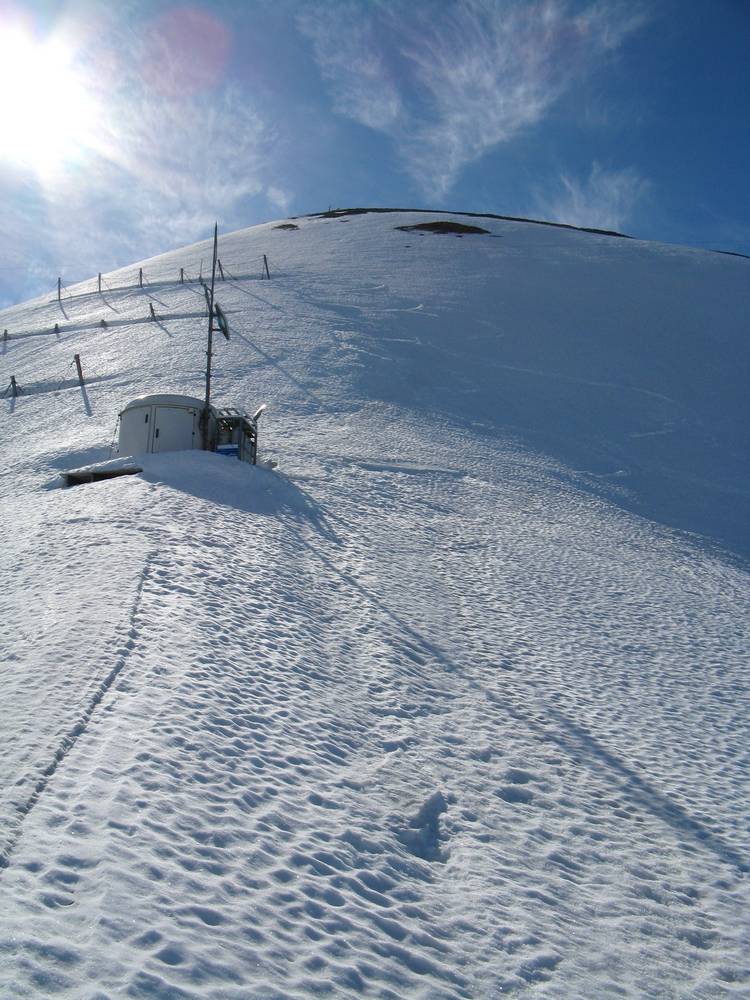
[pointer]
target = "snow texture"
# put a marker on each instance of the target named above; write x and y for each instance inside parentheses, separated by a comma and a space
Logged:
(451, 704)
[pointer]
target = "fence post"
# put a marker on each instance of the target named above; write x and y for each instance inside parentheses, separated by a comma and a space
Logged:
(140, 277)
(57, 327)
(221, 270)
(151, 310)
(265, 264)
(59, 289)
(100, 281)
(182, 275)
(77, 359)
(14, 388)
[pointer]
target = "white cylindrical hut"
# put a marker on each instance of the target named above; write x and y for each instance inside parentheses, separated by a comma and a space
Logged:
(163, 422)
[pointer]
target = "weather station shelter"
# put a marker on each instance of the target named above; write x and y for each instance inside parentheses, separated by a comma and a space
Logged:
(162, 422)
(170, 422)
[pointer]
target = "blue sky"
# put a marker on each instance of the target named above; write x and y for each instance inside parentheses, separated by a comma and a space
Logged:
(126, 129)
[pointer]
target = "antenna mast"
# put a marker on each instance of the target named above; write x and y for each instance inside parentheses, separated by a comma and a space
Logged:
(207, 405)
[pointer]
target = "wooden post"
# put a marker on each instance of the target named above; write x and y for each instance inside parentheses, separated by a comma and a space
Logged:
(14, 388)
(100, 281)
(140, 277)
(77, 359)
(57, 327)
(59, 289)
(182, 275)
(265, 264)
(221, 270)
(151, 310)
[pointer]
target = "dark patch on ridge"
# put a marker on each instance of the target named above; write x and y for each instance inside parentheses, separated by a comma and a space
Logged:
(337, 213)
(286, 225)
(442, 226)
(732, 253)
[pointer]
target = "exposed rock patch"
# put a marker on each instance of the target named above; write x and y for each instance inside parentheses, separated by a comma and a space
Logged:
(443, 226)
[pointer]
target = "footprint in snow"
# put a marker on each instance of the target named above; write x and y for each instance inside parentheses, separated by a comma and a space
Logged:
(515, 794)
(422, 835)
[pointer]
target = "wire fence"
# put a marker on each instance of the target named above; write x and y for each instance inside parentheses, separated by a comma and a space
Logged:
(104, 324)
(14, 389)
(71, 377)
(261, 271)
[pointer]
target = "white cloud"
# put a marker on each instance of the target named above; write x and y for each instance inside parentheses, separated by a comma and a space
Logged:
(345, 47)
(606, 199)
(279, 198)
(611, 21)
(189, 160)
(472, 74)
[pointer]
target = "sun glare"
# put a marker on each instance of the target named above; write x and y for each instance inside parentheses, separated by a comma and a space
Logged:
(46, 115)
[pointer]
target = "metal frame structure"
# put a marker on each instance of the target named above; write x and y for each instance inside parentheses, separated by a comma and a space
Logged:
(237, 434)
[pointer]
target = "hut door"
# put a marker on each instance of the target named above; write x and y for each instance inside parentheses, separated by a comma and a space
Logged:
(175, 429)
(136, 427)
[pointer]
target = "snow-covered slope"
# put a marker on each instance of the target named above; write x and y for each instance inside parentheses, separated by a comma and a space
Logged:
(453, 703)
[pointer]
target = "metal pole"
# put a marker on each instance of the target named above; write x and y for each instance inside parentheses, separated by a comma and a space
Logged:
(206, 408)
(265, 262)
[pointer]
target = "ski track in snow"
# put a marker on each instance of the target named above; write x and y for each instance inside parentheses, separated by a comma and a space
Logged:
(69, 739)
(421, 716)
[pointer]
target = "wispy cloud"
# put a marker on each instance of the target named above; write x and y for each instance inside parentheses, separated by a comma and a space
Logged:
(188, 160)
(606, 199)
(469, 75)
(279, 198)
(346, 48)
(191, 145)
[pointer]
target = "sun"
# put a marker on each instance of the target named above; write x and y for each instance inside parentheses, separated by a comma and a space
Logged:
(47, 116)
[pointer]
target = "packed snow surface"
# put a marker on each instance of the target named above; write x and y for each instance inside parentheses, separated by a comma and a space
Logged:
(451, 703)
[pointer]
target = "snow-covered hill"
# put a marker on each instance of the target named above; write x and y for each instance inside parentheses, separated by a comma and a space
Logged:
(454, 702)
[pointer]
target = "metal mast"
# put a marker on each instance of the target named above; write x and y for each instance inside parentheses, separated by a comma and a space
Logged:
(207, 405)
